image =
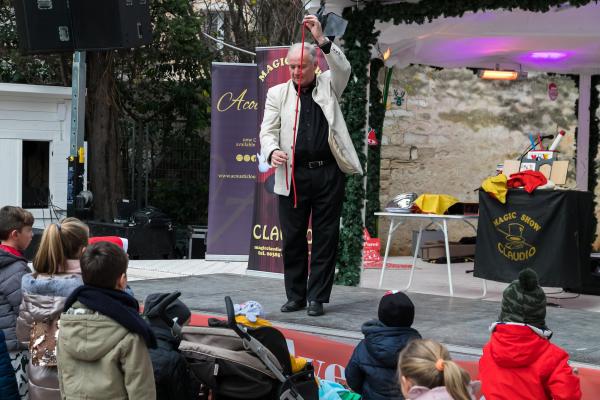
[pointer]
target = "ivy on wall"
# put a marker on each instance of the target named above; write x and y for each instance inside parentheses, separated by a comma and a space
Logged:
(358, 39)
(357, 43)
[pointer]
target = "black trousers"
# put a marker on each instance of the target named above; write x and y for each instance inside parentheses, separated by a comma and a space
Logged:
(320, 192)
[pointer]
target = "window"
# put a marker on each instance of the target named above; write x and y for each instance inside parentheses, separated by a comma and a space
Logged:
(36, 174)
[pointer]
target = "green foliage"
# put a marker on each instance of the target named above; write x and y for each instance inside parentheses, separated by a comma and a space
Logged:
(165, 87)
(180, 178)
(357, 43)
(169, 80)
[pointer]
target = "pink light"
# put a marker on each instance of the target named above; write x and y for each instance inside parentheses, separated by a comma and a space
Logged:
(548, 55)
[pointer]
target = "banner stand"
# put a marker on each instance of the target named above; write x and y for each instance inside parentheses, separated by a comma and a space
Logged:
(233, 161)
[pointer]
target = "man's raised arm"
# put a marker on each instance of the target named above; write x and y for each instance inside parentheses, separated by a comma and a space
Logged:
(339, 66)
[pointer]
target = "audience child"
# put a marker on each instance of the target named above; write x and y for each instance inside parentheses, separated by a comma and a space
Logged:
(56, 274)
(123, 243)
(8, 383)
(166, 316)
(519, 361)
(428, 373)
(15, 236)
(103, 341)
(372, 369)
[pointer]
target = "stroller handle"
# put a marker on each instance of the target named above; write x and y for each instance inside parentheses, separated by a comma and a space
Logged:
(291, 393)
(231, 319)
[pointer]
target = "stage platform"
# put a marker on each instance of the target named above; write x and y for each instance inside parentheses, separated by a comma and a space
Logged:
(460, 323)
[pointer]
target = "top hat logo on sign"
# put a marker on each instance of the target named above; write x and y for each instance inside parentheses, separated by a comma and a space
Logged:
(515, 230)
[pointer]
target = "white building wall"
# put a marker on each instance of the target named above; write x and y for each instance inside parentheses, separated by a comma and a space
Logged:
(40, 113)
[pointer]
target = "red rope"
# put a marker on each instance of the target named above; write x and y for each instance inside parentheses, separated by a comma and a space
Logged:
(296, 124)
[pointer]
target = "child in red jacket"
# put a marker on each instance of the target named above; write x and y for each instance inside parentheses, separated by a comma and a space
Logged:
(519, 362)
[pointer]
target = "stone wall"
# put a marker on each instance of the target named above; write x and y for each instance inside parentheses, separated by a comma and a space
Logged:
(451, 129)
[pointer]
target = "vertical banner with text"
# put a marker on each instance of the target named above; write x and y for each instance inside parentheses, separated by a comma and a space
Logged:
(233, 160)
(266, 241)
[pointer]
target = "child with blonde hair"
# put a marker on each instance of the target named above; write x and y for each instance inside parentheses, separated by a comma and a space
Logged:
(56, 274)
(427, 372)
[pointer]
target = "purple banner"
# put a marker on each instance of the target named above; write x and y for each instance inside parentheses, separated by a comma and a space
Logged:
(266, 241)
(233, 161)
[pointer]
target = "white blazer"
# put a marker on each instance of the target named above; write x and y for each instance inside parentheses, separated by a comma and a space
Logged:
(277, 128)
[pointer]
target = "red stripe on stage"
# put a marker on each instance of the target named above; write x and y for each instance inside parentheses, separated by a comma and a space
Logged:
(330, 357)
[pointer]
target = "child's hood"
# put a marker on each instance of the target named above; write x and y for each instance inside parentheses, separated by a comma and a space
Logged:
(440, 392)
(514, 346)
(89, 337)
(7, 259)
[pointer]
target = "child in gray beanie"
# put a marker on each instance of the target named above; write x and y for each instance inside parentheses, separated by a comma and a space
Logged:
(519, 362)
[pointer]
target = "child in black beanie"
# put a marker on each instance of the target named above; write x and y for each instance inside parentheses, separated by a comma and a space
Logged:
(372, 370)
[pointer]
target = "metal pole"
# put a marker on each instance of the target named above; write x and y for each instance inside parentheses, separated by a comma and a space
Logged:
(583, 131)
(147, 167)
(76, 151)
(132, 163)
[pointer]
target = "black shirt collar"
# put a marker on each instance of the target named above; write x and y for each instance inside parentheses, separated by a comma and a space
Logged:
(307, 88)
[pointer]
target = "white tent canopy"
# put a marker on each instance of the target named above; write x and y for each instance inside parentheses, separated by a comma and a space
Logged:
(563, 40)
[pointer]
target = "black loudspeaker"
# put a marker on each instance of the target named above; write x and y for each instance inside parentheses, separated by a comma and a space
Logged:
(44, 26)
(146, 242)
(197, 241)
(110, 24)
(590, 278)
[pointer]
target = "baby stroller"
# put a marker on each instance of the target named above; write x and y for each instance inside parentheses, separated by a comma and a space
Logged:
(236, 362)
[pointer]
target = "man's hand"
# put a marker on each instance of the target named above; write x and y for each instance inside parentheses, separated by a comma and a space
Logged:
(278, 157)
(314, 26)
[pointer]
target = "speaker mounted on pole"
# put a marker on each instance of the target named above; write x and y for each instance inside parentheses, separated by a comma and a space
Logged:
(110, 24)
(43, 26)
(63, 26)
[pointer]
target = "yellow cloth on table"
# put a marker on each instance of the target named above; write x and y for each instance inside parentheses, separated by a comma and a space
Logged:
(435, 203)
(496, 187)
(242, 320)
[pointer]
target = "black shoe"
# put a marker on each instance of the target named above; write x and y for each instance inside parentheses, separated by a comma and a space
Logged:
(315, 309)
(293, 305)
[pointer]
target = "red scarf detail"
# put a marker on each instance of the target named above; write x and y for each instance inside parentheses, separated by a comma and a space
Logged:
(11, 250)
